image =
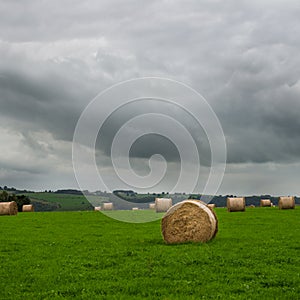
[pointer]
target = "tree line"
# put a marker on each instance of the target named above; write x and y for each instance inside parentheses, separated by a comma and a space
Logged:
(19, 199)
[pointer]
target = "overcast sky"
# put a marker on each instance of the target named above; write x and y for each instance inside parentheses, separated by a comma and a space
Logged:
(241, 56)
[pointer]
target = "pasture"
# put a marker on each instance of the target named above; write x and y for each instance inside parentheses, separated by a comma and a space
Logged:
(65, 202)
(87, 255)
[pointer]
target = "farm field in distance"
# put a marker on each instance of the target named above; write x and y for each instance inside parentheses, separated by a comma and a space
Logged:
(63, 202)
(54, 201)
(45, 201)
(87, 255)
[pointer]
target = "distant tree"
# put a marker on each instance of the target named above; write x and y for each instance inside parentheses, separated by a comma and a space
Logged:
(4, 196)
(19, 199)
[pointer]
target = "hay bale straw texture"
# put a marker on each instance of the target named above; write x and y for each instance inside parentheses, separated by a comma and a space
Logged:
(8, 208)
(108, 206)
(265, 202)
(211, 205)
(236, 204)
(152, 205)
(162, 204)
(28, 208)
(286, 203)
(189, 221)
(97, 208)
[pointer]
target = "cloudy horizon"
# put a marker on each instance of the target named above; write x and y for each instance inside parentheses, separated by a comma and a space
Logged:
(242, 57)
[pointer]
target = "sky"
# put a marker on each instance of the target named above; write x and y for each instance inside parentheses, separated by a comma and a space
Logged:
(241, 56)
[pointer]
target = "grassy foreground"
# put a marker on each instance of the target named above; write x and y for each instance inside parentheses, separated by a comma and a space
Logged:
(86, 255)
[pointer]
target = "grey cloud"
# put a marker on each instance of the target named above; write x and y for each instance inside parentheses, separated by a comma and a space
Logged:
(259, 112)
(44, 95)
(242, 57)
(151, 144)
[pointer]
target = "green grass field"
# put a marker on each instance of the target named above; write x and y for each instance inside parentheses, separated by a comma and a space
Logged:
(66, 202)
(86, 255)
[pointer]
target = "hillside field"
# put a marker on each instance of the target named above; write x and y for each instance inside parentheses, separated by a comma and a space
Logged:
(63, 202)
(87, 255)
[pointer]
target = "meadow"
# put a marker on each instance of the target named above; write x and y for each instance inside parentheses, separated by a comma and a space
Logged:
(65, 202)
(87, 255)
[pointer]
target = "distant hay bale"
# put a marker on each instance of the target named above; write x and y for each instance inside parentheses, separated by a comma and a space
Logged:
(28, 208)
(189, 221)
(265, 203)
(286, 203)
(162, 204)
(135, 208)
(211, 205)
(97, 208)
(252, 206)
(152, 205)
(108, 206)
(236, 204)
(8, 208)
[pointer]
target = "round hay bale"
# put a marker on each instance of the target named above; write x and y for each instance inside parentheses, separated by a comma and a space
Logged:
(286, 203)
(97, 208)
(252, 206)
(236, 204)
(108, 206)
(135, 208)
(211, 206)
(8, 208)
(162, 204)
(265, 203)
(152, 205)
(189, 221)
(28, 208)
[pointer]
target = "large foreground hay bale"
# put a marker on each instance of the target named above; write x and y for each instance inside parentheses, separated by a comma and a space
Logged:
(108, 206)
(162, 204)
(286, 203)
(236, 204)
(265, 202)
(97, 208)
(189, 221)
(8, 208)
(28, 208)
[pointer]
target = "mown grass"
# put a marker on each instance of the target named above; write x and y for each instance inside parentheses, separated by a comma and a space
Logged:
(86, 255)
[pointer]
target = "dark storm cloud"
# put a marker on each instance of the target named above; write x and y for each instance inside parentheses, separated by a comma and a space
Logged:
(242, 56)
(44, 95)
(259, 108)
(151, 144)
